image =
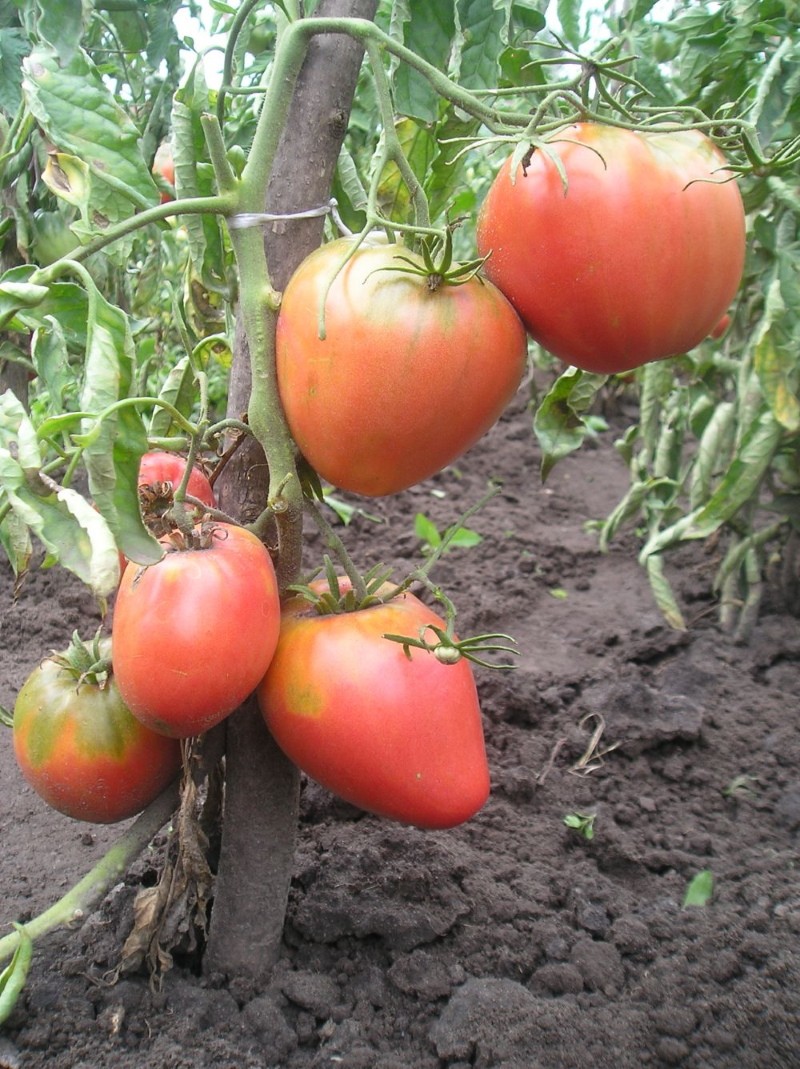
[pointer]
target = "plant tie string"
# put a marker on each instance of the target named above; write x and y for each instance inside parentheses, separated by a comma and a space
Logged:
(245, 220)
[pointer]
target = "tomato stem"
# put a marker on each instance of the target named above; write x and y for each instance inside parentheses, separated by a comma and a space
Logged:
(74, 905)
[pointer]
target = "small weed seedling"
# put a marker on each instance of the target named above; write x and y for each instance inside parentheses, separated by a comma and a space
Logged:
(432, 537)
(582, 823)
(700, 889)
(739, 786)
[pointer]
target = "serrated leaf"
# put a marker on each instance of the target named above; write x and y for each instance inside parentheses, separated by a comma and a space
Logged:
(482, 27)
(430, 32)
(559, 423)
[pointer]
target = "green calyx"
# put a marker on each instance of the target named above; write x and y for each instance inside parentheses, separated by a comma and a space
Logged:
(342, 595)
(437, 267)
(449, 650)
(86, 662)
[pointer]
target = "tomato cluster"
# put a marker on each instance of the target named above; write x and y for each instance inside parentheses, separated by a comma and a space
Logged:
(101, 751)
(611, 248)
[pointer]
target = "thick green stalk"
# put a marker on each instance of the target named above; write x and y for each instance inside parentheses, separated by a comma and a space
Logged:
(258, 303)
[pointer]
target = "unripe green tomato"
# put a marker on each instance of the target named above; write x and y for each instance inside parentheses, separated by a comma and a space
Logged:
(52, 237)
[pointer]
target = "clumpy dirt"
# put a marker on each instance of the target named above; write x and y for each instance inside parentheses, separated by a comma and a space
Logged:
(511, 942)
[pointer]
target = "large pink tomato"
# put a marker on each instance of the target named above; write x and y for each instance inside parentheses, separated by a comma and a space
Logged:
(635, 260)
(194, 633)
(409, 375)
(398, 735)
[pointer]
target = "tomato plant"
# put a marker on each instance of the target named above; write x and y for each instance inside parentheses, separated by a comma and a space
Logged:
(411, 372)
(80, 747)
(195, 633)
(395, 733)
(161, 467)
(632, 255)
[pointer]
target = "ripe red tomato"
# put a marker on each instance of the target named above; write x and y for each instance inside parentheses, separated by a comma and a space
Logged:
(407, 377)
(162, 467)
(82, 750)
(195, 633)
(396, 735)
(636, 261)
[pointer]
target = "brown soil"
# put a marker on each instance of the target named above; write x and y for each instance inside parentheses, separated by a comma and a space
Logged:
(510, 942)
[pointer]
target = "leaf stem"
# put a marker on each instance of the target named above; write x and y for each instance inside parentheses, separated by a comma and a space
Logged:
(74, 905)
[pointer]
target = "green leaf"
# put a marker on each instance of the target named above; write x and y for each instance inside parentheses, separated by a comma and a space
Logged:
(462, 538)
(776, 366)
(61, 24)
(446, 174)
(419, 148)
(700, 889)
(569, 12)
(527, 16)
(68, 305)
(193, 179)
(429, 31)
(179, 390)
(713, 452)
(738, 485)
(427, 530)
(15, 539)
(115, 447)
(349, 192)
(69, 528)
(13, 46)
(559, 423)
(742, 479)
(98, 133)
(51, 360)
(663, 594)
(482, 27)
(17, 292)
